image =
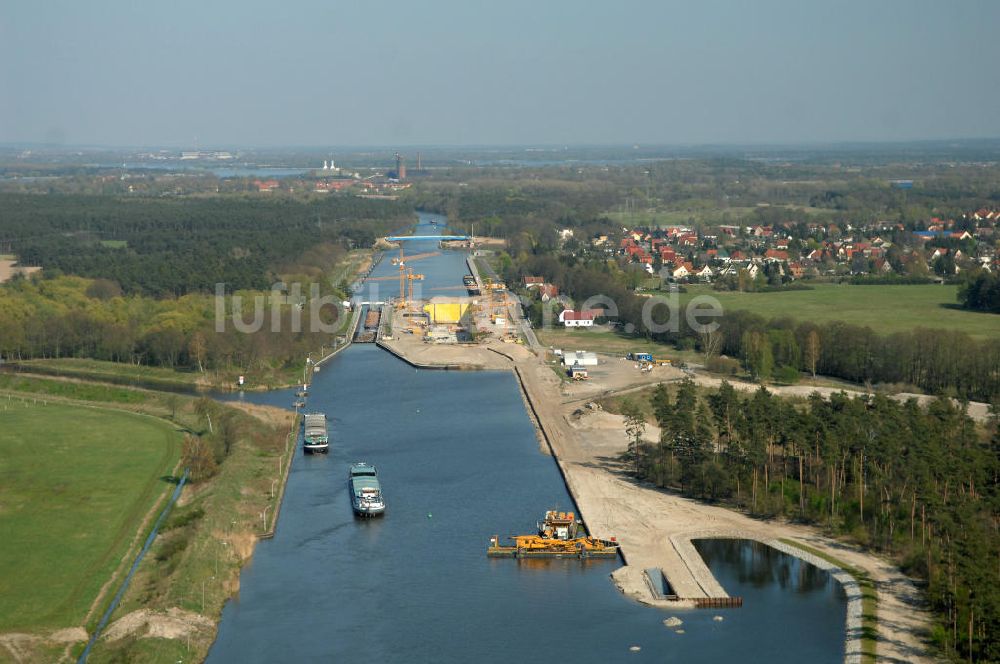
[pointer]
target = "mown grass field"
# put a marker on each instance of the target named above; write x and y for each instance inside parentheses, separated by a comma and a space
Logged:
(115, 372)
(886, 309)
(75, 486)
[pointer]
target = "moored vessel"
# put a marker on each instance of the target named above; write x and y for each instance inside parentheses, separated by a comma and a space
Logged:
(560, 535)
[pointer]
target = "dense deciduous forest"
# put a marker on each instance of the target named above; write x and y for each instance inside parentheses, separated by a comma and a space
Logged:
(155, 264)
(981, 291)
(920, 483)
(936, 361)
(75, 317)
(175, 246)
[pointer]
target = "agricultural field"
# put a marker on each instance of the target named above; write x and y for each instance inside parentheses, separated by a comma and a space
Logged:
(76, 485)
(115, 372)
(886, 309)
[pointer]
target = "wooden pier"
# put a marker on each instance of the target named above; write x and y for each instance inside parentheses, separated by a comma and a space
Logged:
(718, 602)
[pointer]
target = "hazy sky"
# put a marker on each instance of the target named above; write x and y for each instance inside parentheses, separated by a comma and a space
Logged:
(329, 72)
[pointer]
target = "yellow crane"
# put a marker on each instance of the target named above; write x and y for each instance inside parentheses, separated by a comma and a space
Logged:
(414, 257)
(411, 278)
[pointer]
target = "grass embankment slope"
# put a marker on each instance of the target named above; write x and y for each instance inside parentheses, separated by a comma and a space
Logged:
(193, 567)
(117, 372)
(75, 486)
(885, 309)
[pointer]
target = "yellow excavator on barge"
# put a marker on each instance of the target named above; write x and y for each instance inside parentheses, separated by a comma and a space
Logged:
(560, 535)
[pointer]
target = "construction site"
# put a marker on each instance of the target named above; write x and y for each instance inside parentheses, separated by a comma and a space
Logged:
(480, 310)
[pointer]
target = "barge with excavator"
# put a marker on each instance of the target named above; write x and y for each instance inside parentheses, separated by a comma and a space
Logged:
(560, 535)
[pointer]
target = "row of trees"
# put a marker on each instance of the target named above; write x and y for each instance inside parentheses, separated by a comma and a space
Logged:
(61, 317)
(933, 360)
(920, 483)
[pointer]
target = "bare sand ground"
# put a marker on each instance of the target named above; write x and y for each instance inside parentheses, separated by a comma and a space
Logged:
(588, 446)
(8, 268)
(174, 623)
(977, 410)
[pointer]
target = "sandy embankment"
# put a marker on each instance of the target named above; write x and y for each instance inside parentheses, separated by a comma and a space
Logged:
(653, 525)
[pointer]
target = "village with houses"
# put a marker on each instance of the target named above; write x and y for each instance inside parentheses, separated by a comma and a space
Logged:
(734, 257)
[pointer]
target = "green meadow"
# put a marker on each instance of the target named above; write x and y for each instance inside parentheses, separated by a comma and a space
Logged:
(76, 484)
(885, 309)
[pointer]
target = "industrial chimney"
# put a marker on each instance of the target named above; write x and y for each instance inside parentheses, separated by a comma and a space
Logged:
(400, 167)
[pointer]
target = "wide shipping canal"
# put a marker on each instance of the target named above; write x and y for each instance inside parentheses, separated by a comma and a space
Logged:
(459, 462)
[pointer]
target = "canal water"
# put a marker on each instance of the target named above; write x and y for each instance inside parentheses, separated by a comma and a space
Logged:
(459, 463)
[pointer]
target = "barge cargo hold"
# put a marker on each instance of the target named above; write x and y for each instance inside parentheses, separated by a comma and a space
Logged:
(314, 435)
(366, 492)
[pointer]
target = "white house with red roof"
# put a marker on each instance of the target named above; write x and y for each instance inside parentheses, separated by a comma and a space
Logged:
(570, 318)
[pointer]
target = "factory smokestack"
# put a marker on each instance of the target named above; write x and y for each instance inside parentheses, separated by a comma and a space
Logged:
(400, 167)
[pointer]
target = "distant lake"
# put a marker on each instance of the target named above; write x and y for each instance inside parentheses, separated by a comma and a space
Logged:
(221, 171)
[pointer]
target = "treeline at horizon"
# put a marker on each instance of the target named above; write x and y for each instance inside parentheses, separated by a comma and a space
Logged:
(169, 247)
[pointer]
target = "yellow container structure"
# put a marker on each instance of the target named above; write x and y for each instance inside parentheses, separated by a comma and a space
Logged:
(447, 312)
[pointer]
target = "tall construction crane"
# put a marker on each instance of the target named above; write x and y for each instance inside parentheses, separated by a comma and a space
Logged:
(406, 274)
(411, 277)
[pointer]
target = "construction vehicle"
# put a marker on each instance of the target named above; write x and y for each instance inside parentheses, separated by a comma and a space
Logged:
(559, 536)
(640, 357)
(535, 546)
(559, 525)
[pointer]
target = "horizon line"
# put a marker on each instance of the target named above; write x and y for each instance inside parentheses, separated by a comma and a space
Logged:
(548, 147)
